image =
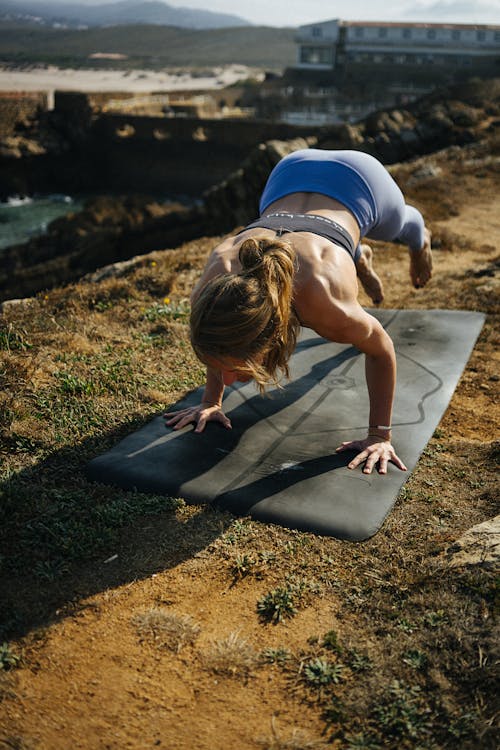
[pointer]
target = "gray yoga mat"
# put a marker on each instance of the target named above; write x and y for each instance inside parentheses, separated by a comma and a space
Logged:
(278, 463)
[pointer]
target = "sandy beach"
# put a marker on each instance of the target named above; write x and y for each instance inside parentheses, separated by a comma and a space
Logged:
(52, 78)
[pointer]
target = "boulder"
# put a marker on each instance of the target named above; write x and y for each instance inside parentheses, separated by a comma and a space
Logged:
(480, 545)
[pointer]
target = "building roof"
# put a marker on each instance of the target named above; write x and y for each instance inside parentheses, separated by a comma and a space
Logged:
(411, 25)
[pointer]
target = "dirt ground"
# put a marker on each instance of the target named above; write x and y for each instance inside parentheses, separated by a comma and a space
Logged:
(133, 621)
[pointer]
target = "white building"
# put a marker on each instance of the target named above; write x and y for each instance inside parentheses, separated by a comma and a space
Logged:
(347, 47)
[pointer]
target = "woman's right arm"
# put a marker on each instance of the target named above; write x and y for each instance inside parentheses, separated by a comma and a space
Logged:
(210, 409)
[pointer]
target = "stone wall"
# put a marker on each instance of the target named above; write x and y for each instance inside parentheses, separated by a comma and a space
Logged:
(19, 107)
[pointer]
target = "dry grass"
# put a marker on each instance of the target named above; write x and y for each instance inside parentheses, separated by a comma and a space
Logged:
(166, 629)
(231, 656)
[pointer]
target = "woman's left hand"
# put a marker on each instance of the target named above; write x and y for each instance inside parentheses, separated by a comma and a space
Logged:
(372, 451)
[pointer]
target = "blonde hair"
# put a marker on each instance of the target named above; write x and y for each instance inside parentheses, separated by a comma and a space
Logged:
(249, 316)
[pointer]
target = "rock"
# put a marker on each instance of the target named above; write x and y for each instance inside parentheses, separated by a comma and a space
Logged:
(409, 137)
(423, 174)
(480, 545)
(11, 304)
(114, 270)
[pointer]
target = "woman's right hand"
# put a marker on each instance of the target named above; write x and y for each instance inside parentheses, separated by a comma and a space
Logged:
(201, 414)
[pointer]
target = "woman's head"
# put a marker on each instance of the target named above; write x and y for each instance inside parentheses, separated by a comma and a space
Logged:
(247, 318)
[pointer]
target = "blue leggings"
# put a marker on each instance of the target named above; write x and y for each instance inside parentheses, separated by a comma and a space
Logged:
(359, 182)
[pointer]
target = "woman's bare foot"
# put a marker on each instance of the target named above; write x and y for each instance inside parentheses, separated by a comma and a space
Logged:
(421, 263)
(369, 279)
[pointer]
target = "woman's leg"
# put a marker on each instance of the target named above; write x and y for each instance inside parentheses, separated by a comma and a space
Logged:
(370, 281)
(392, 219)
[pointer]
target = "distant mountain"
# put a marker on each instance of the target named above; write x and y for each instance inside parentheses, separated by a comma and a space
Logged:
(113, 14)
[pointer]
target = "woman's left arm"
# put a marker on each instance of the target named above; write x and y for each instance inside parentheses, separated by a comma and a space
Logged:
(349, 323)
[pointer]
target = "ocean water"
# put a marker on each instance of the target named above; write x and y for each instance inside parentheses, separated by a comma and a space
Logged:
(22, 218)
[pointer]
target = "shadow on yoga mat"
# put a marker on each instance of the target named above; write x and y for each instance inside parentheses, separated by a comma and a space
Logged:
(278, 463)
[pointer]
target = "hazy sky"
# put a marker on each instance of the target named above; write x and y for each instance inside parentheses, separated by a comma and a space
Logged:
(296, 12)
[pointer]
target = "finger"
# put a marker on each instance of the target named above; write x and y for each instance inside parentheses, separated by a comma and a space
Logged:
(175, 413)
(371, 461)
(382, 467)
(201, 424)
(173, 420)
(182, 415)
(358, 460)
(225, 421)
(397, 462)
(184, 421)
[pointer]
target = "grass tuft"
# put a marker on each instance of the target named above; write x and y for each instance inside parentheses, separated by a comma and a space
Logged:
(166, 629)
(232, 656)
(296, 739)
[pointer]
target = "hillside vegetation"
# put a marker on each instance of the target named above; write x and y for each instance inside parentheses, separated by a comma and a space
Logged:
(153, 46)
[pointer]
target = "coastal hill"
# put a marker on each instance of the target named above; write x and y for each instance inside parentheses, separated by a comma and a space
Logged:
(122, 12)
(135, 620)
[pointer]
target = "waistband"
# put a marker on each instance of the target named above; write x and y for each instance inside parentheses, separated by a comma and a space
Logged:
(283, 222)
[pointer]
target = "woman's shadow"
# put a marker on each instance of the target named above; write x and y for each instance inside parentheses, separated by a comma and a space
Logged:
(66, 538)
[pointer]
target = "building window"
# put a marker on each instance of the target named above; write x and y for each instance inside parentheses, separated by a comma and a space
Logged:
(317, 31)
(382, 33)
(406, 33)
(455, 34)
(431, 33)
(481, 36)
(497, 36)
(316, 55)
(360, 32)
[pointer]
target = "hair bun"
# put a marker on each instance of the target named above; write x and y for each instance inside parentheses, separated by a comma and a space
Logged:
(251, 254)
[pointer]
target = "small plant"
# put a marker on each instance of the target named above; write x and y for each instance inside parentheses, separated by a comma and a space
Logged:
(242, 566)
(319, 672)
(278, 604)
(72, 385)
(267, 557)
(8, 659)
(435, 619)
(462, 726)
(406, 625)
(12, 340)
(415, 659)
(231, 656)
(169, 310)
(403, 713)
(358, 661)
(50, 570)
(283, 602)
(278, 655)
(331, 642)
(361, 741)
(167, 629)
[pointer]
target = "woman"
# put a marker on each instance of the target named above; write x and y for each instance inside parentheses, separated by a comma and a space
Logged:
(298, 265)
